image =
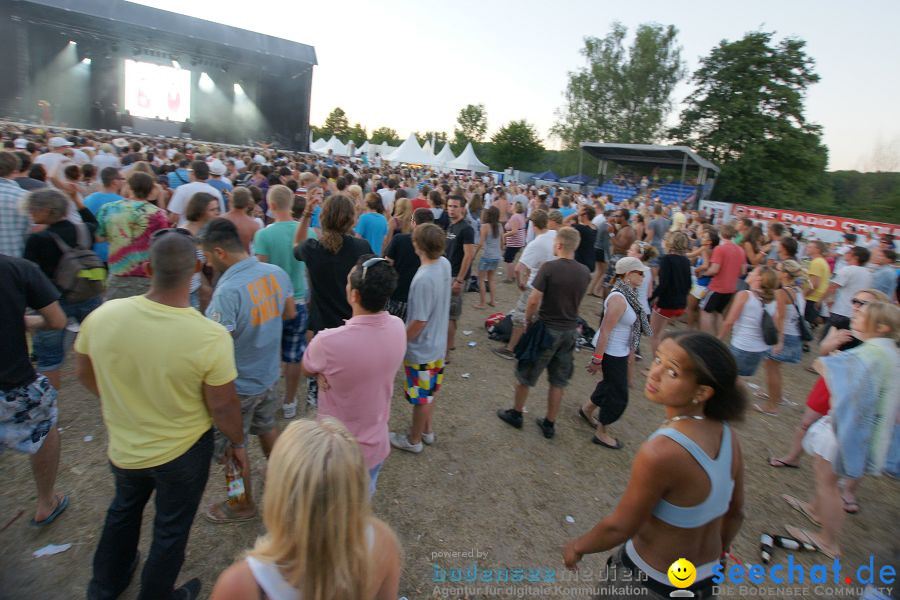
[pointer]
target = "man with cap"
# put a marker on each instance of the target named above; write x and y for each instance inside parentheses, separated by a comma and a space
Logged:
(217, 171)
(199, 176)
(52, 160)
(551, 319)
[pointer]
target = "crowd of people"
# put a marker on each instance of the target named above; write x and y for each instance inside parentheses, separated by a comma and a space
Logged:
(197, 276)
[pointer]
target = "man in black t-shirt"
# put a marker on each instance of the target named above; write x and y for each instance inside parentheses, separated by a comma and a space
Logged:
(588, 231)
(28, 410)
(460, 253)
(551, 317)
(402, 255)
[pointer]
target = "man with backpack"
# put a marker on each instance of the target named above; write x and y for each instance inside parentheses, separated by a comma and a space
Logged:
(63, 252)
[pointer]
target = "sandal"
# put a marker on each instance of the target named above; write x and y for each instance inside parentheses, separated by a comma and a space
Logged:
(229, 514)
(808, 537)
(762, 410)
(778, 464)
(590, 420)
(850, 507)
(62, 503)
(800, 507)
(618, 445)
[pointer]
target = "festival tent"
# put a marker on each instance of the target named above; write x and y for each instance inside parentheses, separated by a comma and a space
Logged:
(467, 161)
(335, 146)
(410, 152)
(546, 176)
(363, 149)
(317, 145)
(428, 148)
(445, 156)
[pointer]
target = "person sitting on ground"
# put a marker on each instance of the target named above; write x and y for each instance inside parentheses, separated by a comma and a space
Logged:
(675, 507)
(355, 384)
(426, 332)
(315, 549)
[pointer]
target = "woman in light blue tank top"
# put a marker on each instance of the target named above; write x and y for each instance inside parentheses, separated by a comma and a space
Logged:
(685, 497)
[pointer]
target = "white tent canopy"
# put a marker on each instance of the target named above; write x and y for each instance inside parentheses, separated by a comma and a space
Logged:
(317, 145)
(445, 155)
(335, 145)
(411, 152)
(467, 161)
(363, 149)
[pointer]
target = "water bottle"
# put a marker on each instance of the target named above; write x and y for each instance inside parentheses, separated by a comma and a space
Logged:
(234, 482)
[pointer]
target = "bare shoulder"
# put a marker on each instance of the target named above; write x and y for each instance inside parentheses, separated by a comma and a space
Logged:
(236, 583)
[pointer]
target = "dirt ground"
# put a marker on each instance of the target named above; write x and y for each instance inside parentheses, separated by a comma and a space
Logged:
(510, 498)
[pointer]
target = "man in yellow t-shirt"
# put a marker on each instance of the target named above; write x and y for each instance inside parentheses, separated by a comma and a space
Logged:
(819, 277)
(164, 375)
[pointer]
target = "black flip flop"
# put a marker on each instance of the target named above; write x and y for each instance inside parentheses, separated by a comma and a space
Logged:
(589, 420)
(600, 442)
(781, 464)
(61, 506)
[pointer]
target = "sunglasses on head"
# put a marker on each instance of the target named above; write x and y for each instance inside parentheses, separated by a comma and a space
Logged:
(858, 302)
(371, 262)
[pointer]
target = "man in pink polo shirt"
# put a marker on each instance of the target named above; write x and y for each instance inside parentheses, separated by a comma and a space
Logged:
(356, 364)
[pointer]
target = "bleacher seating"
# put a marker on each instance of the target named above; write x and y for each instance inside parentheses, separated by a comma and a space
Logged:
(669, 192)
(618, 192)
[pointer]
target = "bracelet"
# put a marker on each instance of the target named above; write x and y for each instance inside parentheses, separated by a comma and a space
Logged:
(237, 446)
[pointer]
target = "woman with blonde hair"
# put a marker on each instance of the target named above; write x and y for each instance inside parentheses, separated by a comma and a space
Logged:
(745, 319)
(322, 541)
(401, 222)
(355, 193)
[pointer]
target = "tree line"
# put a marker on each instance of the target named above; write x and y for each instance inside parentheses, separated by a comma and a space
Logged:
(746, 113)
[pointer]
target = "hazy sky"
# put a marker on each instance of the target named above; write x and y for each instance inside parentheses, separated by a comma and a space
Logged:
(411, 65)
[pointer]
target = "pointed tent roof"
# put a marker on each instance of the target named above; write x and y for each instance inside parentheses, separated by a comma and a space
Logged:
(428, 148)
(445, 155)
(411, 152)
(467, 161)
(363, 149)
(335, 146)
(318, 144)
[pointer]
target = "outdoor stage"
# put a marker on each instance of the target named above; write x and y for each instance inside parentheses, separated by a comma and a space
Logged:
(90, 61)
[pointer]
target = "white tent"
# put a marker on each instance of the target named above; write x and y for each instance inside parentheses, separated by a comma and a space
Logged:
(467, 161)
(335, 145)
(411, 152)
(317, 145)
(363, 149)
(445, 155)
(427, 147)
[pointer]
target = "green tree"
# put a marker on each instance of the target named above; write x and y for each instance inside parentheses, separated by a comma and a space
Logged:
(471, 126)
(517, 145)
(747, 114)
(337, 124)
(439, 138)
(622, 96)
(358, 134)
(385, 135)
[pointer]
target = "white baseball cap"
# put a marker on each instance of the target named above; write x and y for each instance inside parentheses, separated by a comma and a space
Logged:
(628, 264)
(58, 142)
(20, 143)
(217, 167)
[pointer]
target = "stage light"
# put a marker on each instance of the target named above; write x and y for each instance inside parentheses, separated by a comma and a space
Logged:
(238, 89)
(175, 64)
(85, 61)
(206, 83)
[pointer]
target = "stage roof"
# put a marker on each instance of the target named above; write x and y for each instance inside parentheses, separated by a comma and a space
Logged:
(118, 19)
(647, 154)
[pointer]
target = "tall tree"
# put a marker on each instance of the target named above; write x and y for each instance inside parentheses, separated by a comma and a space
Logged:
(747, 114)
(517, 145)
(622, 96)
(439, 137)
(385, 135)
(337, 124)
(471, 126)
(358, 134)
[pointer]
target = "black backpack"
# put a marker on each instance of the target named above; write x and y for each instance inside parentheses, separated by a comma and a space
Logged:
(81, 274)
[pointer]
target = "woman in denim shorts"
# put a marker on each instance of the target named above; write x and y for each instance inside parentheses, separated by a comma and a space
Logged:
(789, 311)
(491, 241)
(745, 319)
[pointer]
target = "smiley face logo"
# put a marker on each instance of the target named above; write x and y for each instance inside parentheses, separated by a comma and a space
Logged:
(682, 573)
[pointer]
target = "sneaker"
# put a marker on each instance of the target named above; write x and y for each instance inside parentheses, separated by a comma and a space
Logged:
(401, 442)
(504, 353)
(547, 427)
(289, 410)
(428, 438)
(312, 392)
(511, 416)
(189, 591)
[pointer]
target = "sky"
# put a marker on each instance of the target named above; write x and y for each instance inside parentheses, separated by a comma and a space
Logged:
(412, 65)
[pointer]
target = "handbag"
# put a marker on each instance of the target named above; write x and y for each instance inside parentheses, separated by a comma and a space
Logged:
(769, 331)
(805, 333)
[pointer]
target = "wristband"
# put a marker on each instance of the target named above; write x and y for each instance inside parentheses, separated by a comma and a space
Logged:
(237, 446)
(597, 357)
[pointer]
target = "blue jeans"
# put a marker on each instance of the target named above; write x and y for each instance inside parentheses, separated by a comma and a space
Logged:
(179, 486)
(373, 478)
(49, 346)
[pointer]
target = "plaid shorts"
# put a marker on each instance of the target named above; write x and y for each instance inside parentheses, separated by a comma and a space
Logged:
(423, 380)
(26, 415)
(397, 308)
(293, 336)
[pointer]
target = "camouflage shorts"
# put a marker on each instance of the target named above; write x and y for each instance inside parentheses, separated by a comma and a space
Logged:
(27, 414)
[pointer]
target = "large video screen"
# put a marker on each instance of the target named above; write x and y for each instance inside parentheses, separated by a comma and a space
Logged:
(157, 91)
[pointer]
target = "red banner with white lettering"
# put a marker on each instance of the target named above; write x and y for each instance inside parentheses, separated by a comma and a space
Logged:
(793, 217)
